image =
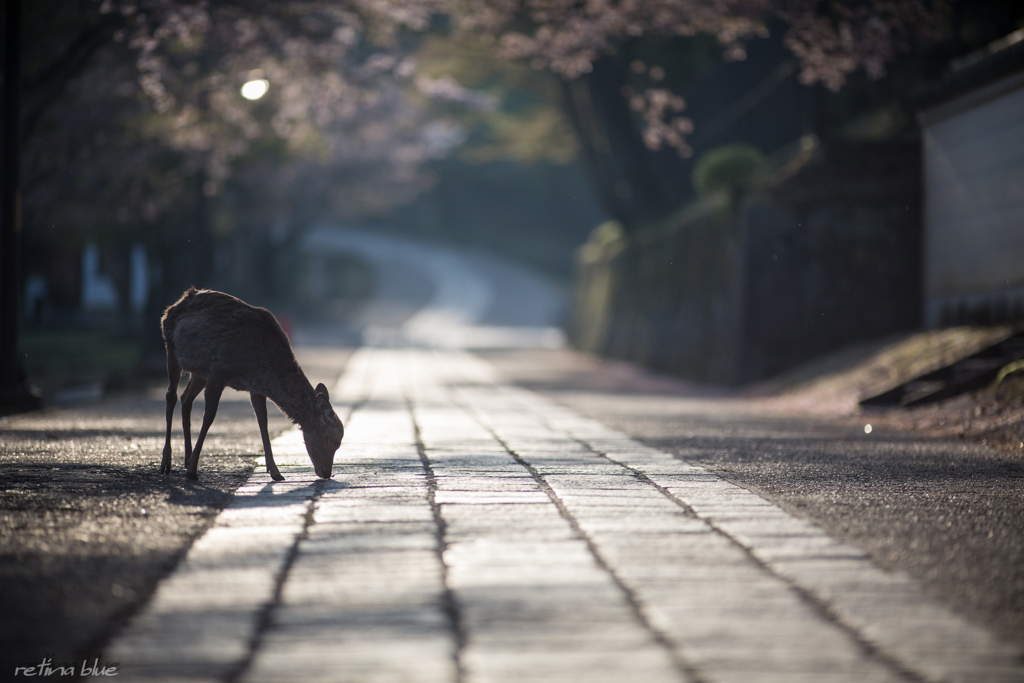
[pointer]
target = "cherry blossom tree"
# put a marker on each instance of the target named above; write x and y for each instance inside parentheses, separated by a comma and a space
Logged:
(831, 38)
(337, 115)
(147, 137)
(591, 46)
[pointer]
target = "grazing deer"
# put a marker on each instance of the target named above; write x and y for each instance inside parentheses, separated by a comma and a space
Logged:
(222, 342)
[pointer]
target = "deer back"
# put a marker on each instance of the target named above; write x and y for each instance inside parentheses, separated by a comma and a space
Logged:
(220, 337)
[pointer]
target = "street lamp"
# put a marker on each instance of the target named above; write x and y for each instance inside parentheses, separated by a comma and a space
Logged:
(255, 88)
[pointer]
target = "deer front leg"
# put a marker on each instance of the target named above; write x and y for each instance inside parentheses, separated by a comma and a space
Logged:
(188, 397)
(259, 405)
(213, 392)
(173, 376)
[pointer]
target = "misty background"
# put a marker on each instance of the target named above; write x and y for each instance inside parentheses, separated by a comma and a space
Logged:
(704, 210)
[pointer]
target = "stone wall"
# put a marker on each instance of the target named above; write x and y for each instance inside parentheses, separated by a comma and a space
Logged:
(826, 255)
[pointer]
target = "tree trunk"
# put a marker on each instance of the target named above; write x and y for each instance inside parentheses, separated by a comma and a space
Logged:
(613, 150)
(14, 392)
(198, 265)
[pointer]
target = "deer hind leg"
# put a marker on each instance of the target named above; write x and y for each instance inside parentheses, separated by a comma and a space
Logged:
(212, 395)
(188, 397)
(259, 405)
(173, 376)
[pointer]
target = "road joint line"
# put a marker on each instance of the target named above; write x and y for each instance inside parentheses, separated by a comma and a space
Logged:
(265, 617)
(450, 604)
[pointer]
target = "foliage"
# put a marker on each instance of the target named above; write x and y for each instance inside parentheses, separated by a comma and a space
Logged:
(566, 37)
(163, 93)
(136, 123)
(730, 169)
(91, 170)
(605, 243)
(622, 98)
(336, 70)
(508, 111)
(136, 130)
(334, 98)
(831, 40)
(1013, 368)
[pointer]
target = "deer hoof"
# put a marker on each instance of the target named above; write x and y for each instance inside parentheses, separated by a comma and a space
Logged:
(194, 476)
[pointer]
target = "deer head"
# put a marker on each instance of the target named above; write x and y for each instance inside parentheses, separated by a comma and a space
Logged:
(323, 433)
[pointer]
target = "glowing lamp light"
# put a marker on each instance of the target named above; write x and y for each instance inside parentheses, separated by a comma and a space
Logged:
(253, 90)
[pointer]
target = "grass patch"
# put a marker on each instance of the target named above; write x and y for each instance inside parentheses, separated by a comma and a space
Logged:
(58, 358)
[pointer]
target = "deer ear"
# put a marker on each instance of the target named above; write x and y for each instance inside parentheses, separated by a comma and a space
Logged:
(321, 389)
(323, 406)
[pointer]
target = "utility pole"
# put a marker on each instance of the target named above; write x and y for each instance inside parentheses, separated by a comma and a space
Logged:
(15, 395)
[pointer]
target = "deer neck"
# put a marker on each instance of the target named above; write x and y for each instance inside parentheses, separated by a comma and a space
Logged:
(294, 396)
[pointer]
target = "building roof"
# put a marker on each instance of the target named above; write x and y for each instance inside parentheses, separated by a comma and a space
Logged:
(998, 60)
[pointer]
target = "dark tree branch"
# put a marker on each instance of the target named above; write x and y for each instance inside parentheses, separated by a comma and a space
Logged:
(45, 87)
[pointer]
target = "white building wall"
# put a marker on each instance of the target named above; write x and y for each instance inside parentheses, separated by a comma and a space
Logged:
(974, 203)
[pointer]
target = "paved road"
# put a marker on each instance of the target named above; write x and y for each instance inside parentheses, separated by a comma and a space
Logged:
(476, 300)
(477, 531)
(947, 511)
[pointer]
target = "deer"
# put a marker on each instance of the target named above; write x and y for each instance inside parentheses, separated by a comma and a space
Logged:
(221, 341)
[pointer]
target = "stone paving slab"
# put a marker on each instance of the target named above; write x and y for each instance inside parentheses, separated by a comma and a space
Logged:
(477, 532)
